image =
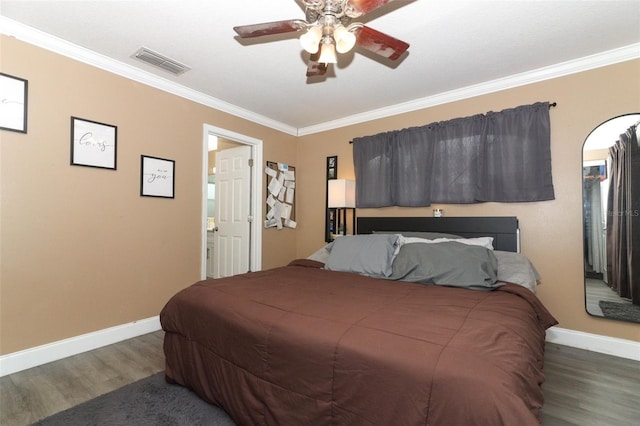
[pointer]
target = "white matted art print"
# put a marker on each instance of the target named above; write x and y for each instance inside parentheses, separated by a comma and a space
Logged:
(93, 144)
(157, 177)
(13, 103)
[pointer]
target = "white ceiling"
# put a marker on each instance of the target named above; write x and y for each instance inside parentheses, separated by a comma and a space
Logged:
(458, 49)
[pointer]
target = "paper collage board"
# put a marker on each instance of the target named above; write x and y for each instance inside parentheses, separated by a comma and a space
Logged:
(281, 198)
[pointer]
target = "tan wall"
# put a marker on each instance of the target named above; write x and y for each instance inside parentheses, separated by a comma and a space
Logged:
(551, 231)
(80, 250)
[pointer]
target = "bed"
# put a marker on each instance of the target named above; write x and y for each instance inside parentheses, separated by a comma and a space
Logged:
(388, 339)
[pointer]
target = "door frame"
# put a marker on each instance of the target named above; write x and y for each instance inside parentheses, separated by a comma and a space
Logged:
(255, 207)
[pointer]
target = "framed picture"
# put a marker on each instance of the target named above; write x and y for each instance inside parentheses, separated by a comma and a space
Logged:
(157, 177)
(331, 215)
(93, 144)
(332, 167)
(13, 103)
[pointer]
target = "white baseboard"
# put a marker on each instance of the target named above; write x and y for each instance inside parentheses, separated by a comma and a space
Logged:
(596, 343)
(28, 358)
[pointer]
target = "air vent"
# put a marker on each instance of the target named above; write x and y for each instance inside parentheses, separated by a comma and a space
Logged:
(161, 61)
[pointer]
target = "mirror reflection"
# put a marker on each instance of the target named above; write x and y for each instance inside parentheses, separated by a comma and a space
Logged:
(611, 212)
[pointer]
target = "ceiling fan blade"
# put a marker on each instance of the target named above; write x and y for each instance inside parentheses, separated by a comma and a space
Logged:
(380, 43)
(315, 68)
(268, 28)
(366, 6)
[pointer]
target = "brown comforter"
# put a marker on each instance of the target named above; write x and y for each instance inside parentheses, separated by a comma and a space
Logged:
(300, 345)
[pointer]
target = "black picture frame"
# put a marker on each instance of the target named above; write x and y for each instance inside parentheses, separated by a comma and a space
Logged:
(93, 144)
(331, 215)
(13, 103)
(332, 167)
(157, 177)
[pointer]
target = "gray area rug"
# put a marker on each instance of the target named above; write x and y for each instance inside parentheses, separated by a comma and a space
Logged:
(150, 401)
(621, 311)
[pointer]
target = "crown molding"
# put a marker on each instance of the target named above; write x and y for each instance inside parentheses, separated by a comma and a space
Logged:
(57, 45)
(586, 63)
(62, 47)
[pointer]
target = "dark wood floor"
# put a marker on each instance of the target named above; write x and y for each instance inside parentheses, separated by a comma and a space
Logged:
(582, 388)
(587, 388)
(34, 394)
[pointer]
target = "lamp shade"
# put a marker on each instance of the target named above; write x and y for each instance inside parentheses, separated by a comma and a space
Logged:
(327, 51)
(342, 193)
(311, 39)
(345, 39)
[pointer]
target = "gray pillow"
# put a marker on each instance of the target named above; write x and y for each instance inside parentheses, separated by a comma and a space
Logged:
(517, 269)
(450, 264)
(370, 255)
(320, 255)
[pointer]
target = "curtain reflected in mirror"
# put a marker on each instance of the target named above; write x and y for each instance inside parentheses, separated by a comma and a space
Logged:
(611, 219)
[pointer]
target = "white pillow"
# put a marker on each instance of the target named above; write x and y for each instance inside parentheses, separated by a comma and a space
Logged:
(486, 242)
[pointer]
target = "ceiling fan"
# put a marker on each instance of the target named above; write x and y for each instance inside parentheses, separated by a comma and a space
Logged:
(329, 28)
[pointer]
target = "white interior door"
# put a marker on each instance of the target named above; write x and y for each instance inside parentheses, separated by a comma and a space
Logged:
(232, 212)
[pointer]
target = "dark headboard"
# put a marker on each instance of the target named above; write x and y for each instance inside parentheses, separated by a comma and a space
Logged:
(503, 229)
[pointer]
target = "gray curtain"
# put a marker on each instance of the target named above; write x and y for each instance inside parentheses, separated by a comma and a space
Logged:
(503, 156)
(517, 159)
(623, 217)
(374, 162)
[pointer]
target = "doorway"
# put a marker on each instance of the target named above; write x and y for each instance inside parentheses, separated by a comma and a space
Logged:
(251, 253)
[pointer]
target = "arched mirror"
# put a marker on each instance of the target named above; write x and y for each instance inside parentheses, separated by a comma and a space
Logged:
(611, 219)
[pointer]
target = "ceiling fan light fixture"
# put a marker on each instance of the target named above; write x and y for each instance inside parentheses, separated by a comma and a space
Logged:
(328, 51)
(310, 40)
(328, 30)
(345, 39)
